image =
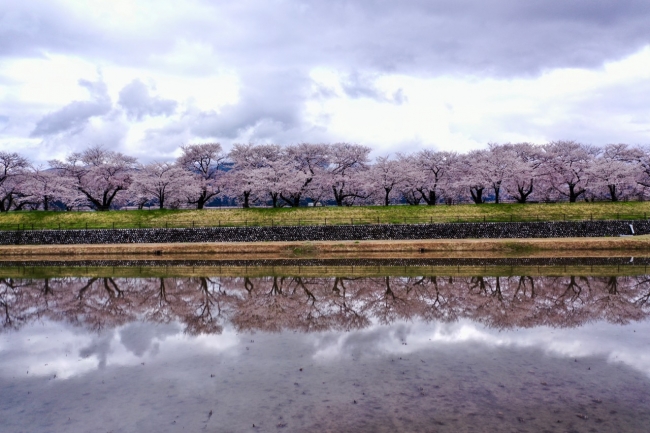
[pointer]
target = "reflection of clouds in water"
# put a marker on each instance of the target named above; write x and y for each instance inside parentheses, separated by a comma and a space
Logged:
(46, 349)
(53, 348)
(138, 337)
(616, 343)
(69, 352)
(99, 347)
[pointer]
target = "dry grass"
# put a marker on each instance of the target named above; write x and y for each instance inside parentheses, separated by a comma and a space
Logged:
(324, 215)
(319, 271)
(463, 247)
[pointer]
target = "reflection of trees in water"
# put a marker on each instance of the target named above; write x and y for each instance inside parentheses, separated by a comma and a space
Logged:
(274, 303)
(323, 303)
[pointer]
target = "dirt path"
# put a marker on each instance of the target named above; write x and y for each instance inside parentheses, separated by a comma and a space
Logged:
(554, 246)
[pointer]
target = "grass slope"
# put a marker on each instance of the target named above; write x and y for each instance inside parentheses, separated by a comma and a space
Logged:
(324, 215)
(321, 271)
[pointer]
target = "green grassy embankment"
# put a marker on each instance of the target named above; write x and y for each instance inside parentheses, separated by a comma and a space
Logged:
(27, 220)
(319, 271)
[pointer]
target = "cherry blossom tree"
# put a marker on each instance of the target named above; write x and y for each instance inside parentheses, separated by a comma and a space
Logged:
(48, 189)
(165, 183)
(499, 164)
(274, 175)
(435, 169)
(472, 175)
(14, 194)
(290, 175)
(206, 162)
(614, 171)
(13, 169)
(98, 174)
(385, 176)
(240, 185)
(309, 163)
(522, 175)
(567, 165)
(269, 173)
(347, 162)
(242, 180)
(276, 178)
(642, 172)
(413, 178)
(11, 164)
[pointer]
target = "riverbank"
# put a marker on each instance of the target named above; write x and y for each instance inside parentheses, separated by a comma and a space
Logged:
(331, 215)
(336, 248)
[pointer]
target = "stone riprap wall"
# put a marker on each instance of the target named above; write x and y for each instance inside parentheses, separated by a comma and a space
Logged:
(555, 229)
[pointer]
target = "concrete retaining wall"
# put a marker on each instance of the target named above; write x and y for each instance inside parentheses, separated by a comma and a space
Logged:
(556, 229)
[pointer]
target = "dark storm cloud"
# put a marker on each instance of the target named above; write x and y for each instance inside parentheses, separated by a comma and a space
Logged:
(41, 27)
(137, 102)
(500, 37)
(74, 116)
(504, 37)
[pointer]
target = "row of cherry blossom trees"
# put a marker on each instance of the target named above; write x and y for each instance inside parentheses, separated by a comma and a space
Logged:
(341, 174)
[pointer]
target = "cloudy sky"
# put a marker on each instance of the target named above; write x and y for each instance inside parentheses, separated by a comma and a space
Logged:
(146, 76)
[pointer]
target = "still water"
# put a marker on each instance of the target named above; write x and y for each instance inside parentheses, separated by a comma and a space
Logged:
(325, 348)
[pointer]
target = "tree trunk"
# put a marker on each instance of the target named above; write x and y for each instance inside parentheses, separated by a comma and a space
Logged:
(107, 198)
(477, 194)
(497, 190)
(432, 198)
(247, 194)
(612, 192)
(412, 199)
(200, 202)
(524, 192)
(574, 193)
(386, 199)
(338, 196)
(292, 200)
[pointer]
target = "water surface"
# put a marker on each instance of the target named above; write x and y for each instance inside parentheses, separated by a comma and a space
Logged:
(422, 349)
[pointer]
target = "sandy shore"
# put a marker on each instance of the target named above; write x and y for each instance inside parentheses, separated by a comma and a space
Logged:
(554, 246)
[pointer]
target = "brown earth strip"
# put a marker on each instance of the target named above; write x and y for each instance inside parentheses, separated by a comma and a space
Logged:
(441, 248)
(318, 271)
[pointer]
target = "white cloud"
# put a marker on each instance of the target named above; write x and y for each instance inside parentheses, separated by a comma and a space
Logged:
(445, 74)
(459, 113)
(616, 343)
